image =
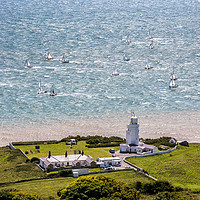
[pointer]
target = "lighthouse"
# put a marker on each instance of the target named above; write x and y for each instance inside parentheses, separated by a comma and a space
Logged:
(132, 141)
(132, 134)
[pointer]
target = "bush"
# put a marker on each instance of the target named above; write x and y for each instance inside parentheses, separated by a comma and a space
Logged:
(98, 187)
(113, 144)
(160, 141)
(35, 160)
(65, 172)
(12, 194)
(157, 186)
(94, 139)
(26, 152)
(164, 196)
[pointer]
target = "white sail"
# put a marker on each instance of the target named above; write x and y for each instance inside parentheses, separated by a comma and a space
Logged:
(172, 84)
(40, 91)
(148, 66)
(125, 58)
(173, 76)
(27, 64)
(128, 41)
(49, 57)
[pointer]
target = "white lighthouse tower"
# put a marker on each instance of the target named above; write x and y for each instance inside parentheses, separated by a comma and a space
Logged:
(132, 134)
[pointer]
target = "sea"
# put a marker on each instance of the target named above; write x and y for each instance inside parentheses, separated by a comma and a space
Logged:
(93, 35)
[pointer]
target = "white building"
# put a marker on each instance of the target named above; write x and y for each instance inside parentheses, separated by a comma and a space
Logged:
(132, 140)
(65, 161)
(109, 161)
(132, 134)
(73, 141)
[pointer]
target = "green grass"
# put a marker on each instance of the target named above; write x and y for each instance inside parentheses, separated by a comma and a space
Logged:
(61, 148)
(13, 166)
(49, 187)
(180, 167)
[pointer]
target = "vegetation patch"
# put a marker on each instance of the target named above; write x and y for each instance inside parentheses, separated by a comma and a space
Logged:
(61, 148)
(13, 194)
(14, 166)
(162, 143)
(49, 187)
(179, 167)
(99, 187)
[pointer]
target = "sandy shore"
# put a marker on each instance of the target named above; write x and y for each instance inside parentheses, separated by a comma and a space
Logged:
(181, 125)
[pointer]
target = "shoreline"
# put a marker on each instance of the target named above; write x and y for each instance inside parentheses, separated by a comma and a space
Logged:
(180, 125)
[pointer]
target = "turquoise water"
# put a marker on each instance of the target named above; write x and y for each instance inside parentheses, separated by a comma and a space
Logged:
(93, 36)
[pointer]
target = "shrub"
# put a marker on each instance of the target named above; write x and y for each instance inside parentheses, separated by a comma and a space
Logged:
(12, 194)
(164, 196)
(138, 185)
(35, 160)
(26, 152)
(98, 187)
(157, 186)
(65, 172)
(160, 141)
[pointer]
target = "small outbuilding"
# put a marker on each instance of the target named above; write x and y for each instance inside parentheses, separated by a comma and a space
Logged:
(109, 161)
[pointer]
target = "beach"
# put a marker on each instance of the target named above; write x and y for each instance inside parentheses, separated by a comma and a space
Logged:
(180, 125)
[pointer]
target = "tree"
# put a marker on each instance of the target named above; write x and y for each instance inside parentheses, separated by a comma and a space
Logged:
(98, 187)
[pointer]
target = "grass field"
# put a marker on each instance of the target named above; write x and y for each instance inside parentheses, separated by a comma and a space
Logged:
(49, 187)
(180, 167)
(13, 166)
(61, 148)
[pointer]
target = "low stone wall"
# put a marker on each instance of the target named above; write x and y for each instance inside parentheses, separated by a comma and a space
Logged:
(108, 171)
(11, 146)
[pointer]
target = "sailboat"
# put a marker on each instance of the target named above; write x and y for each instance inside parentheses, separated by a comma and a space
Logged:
(173, 76)
(40, 91)
(148, 66)
(149, 37)
(64, 59)
(115, 73)
(151, 45)
(52, 93)
(49, 57)
(27, 64)
(128, 41)
(125, 58)
(172, 83)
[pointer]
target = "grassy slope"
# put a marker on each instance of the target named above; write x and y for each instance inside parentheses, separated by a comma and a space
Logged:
(180, 167)
(13, 166)
(49, 187)
(61, 148)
